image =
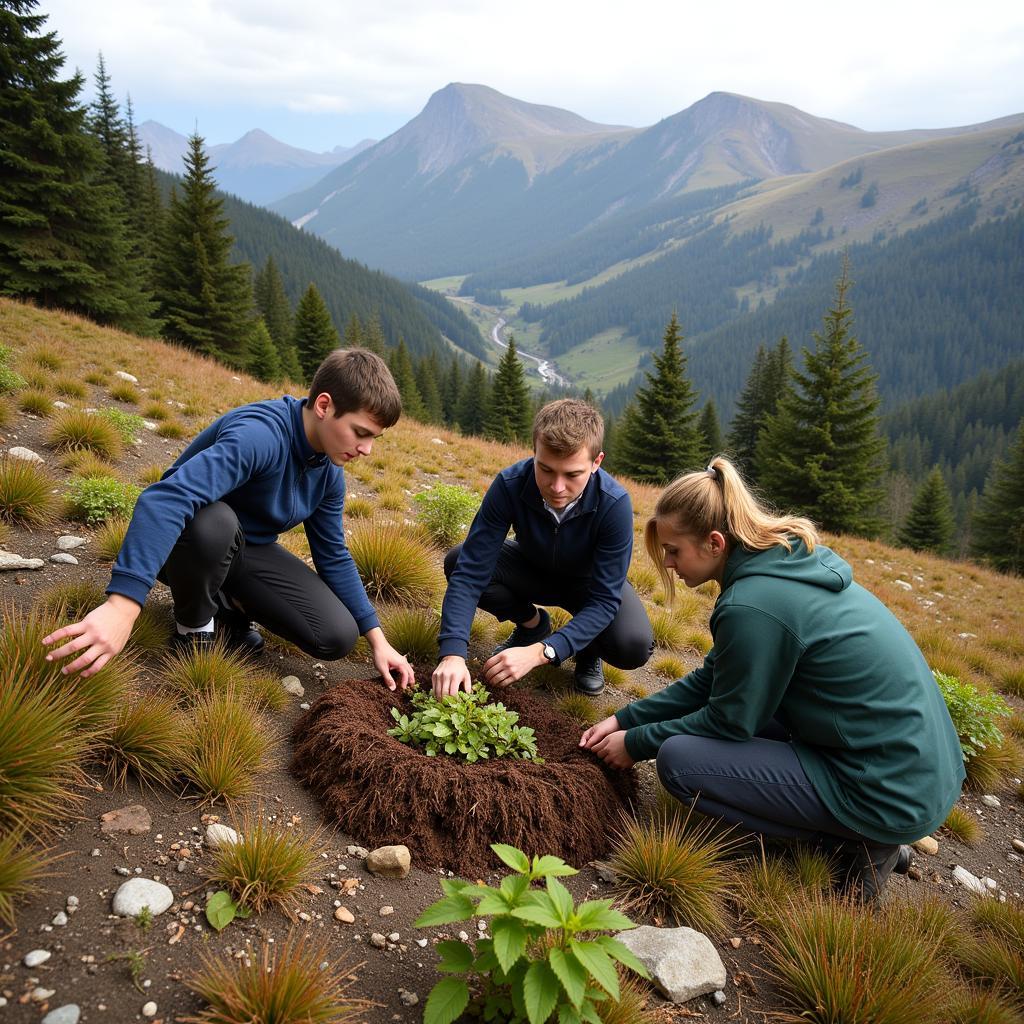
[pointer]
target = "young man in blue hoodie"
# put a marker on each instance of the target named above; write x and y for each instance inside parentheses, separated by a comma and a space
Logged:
(209, 527)
(573, 528)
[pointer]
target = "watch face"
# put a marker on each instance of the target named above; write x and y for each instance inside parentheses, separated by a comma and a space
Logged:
(549, 652)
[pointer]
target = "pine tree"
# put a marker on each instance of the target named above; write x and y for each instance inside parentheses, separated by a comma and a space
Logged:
(405, 378)
(820, 453)
(62, 240)
(997, 529)
(474, 400)
(510, 413)
(929, 524)
(106, 124)
(450, 392)
(263, 361)
(273, 306)
(767, 382)
(657, 437)
(315, 335)
(710, 432)
(373, 335)
(427, 374)
(354, 333)
(205, 300)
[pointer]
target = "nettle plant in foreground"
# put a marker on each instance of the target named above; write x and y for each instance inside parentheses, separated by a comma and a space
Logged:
(537, 966)
(465, 725)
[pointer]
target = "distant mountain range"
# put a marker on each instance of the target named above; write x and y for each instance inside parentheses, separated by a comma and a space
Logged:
(257, 168)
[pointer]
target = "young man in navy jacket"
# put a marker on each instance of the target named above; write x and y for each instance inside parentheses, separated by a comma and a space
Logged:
(209, 527)
(573, 527)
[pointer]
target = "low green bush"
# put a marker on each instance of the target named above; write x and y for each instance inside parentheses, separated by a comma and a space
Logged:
(128, 424)
(973, 712)
(95, 499)
(464, 725)
(446, 510)
(10, 381)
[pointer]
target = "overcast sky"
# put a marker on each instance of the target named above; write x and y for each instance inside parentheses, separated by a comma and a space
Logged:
(317, 75)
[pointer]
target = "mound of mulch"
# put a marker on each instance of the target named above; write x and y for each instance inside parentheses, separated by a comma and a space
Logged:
(448, 812)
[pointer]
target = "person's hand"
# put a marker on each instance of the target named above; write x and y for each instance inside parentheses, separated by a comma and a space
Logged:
(388, 662)
(100, 636)
(451, 675)
(512, 663)
(612, 750)
(598, 732)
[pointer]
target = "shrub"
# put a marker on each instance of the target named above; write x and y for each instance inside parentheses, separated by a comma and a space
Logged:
(144, 741)
(446, 510)
(124, 391)
(10, 381)
(543, 958)
(413, 631)
(964, 826)
(96, 499)
(26, 497)
(393, 564)
(75, 430)
(285, 983)
(670, 868)
(110, 537)
(21, 870)
(68, 388)
(128, 424)
(973, 713)
(268, 866)
(464, 724)
(35, 403)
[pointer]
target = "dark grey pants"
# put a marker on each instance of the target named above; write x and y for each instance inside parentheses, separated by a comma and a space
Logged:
(517, 585)
(274, 588)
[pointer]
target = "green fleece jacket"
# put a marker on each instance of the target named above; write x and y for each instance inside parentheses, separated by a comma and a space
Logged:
(796, 639)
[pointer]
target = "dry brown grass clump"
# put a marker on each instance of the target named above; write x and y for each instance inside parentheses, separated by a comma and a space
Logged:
(394, 564)
(144, 741)
(962, 824)
(77, 430)
(22, 868)
(26, 497)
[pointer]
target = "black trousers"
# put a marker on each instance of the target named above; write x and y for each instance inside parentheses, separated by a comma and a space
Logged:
(517, 585)
(211, 561)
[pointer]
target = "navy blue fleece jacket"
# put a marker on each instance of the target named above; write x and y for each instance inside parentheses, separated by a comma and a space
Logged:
(258, 460)
(593, 541)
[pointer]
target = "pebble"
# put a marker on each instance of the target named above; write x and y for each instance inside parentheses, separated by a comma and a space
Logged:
(63, 558)
(25, 454)
(69, 542)
(422, 943)
(357, 851)
(137, 893)
(72, 903)
(464, 936)
(218, 836)
(969, 881)
(123, 375)
(149, 1009)
(378, 941)
(386, 911)
(304, 706)
(408, 998)
(292, 685)
(121, 871)
(718, 996)
(914, 873)
(991, 801)
(389, 861)
(36, 957)
(40, 994)
(66, 1014)
(990, 883)
(345, 915)
(94, 853)
(927, 845)
(60, 920)
(1018, 845)
(394, 937)
(181, 866)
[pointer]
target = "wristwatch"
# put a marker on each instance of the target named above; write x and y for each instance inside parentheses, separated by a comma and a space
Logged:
(550, 654)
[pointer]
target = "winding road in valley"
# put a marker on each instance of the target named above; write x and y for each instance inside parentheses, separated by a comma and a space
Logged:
(545, 367)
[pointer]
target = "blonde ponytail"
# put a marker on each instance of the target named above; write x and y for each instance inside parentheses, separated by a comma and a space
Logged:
(718, 499)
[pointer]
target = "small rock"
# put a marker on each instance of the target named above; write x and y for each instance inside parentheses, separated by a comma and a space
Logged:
(735, 942)
(718, 996)
(149, 1009)
(926, 844)
(969, 881)
(292, 685)
(386, 911)
(123, 375)
(137, 893)
(990, 883)
(408, 998)
(991, 801)
(904, 584)
(36, 957)
(181, 867)
(422, 943)
(72, 903)
(464, 936)
(10, 561)
(683, 963)
(60, 920)
(304, 706)
(344, 915)
(25, 454)
(914, 873)
(66, 1014)
(69, 542)
(389, 861)
(394, 937)
(94, 853)
(40, 994)
(134, 820)
(218, 836)
(121, 870)
(357, 851)
(378, 941)
(1018, 845)
(63, 558)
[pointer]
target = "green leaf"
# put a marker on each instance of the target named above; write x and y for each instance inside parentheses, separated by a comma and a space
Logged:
(448, 998)
(509, 940)
(513, 858)
(540, 992)
(568, 1015)
(623, 954)
(598, 916)
(598, 964)
(514, 886)
(221, 909)
(561, 900)
(452, 908)
(456, 957)
(553, 866)
(570, 972)
(588, 1012)
(494, 902)
(453, 886)
(538, 915)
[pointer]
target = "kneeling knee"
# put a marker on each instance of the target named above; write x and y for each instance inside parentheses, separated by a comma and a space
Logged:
(332, 644)
(634, 653)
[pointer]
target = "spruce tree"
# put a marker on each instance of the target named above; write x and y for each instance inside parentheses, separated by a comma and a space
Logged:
(766, 383)
(373, 335)
(997, 529)
(263, 361)
(405, 378)
(315, 335)
(427, 374)
(710, 432)
(657, 437)
(509, 414)
(205, 300)
(273, 306)
(354, 333)
(820, 453)
(474, 400)
(929, 524)
(450, 391)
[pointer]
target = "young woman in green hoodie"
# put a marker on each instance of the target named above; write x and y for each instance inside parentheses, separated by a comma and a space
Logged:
(814, 715)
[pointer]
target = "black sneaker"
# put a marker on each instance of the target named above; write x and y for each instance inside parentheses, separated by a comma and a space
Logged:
(867, 869)
(588, 676)
(239, 633)
(523, 637)
(182, 642)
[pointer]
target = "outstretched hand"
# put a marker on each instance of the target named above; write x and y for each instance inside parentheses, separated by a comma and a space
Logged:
(100, 636)
(389, 663)
(607, 740)
(512, 664)
(451, 675)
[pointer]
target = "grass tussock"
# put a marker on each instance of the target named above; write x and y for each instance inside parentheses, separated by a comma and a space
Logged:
(75, 430)
(144, 741)
(124, 391)
(412, 631)
(172, 430)
(670, 868)
(993, 764)
(26, 495)
(996, 963)
(152, 629)
(153, 472)
(72, 601)
(226, 747)
(579, 708)
(631, 1006)
(669, 667)
(392, 498)
(281, 984)
(974, 1005)
(668, 630)
(359, 508)
(394, 564)
(66, 387)
(110, 537)
(1012, 681)
(268, 866)
(36, 403)
(1015, 725)
(195, 673)
(22, 868)
(963, 825)
(614, 676)
(86, 463)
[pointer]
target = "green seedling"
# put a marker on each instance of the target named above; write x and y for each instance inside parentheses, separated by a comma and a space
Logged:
(221, 910)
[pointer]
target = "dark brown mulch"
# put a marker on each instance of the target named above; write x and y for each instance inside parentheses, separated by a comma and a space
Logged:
(448, 812)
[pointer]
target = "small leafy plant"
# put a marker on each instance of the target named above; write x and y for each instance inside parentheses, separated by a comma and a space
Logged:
(465, 725)
(95, 499)
(129, 424)
(973, 713)
(543, 958)
(221, 909)
(446, 510)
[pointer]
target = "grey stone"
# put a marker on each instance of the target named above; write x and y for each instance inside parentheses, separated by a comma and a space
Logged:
(683, 963)
(60, 919)
(926, 844)
(9, 560)
(378, 941)
(719, 997)
(63, 558)
(389, 861)
(218, 835)
(293, 686)
(40, 994)
(72, 902)
(149, 1009)
(357, 851)
(123, 375)
(408, 998)
(1018, 845)
(137, 893)
(25, 454)
(66, 1014)
(969, 881)
(991, 801)
(69, 542)
(36, 957)
(604, 871)
(58, 404)
(133, 819)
